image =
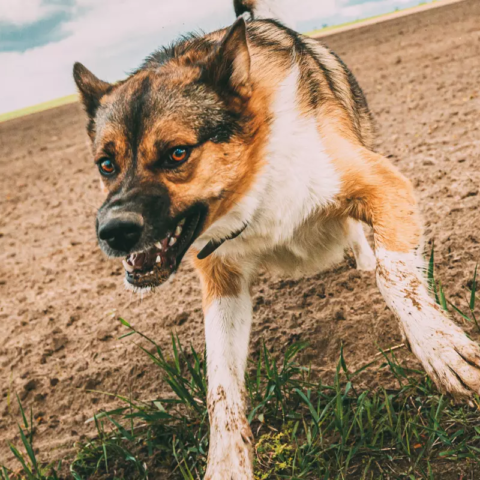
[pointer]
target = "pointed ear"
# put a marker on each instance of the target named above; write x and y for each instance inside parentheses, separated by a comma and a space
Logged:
(231, 62)
(90, 87)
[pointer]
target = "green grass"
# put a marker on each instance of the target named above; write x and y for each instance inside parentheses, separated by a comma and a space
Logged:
(39, 108)
(304, 429)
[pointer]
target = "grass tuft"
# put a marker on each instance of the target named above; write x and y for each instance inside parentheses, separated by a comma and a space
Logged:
(304, 429)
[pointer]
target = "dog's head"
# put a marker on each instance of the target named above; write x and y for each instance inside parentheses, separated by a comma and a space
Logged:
(173, 148)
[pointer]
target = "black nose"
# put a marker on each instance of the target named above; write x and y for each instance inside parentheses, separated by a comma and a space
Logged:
(121, 234)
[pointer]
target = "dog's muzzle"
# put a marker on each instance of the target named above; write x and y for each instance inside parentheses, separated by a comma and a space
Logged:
(151, 253)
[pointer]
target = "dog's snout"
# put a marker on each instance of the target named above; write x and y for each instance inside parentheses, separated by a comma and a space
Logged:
(122, 233)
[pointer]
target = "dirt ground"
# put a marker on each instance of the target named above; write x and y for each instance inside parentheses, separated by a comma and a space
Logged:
(60, 297)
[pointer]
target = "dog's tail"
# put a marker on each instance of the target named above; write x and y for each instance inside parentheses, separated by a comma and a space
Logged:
(263, 9)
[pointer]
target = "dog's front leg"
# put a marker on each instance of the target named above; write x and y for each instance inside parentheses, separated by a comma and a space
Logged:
(228, 317)
(382, 197)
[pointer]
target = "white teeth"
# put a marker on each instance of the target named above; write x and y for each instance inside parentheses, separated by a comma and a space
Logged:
(159, 246)
(178, 231)
(181, 223)
(172, 241)
(129, 268)
(159, 259)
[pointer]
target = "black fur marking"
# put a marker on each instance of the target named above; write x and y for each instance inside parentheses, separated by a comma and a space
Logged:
(184, 44)
(138, 114)
(309, 78)
(213, 245)
(222, 131)
(302, 48)
(91, 91)
(359, 100)
(219, 124)
(109, 150)
(91, 126)
(240, 8)
(357, 91)
(358, 96)
(259, 39)
(151, 201)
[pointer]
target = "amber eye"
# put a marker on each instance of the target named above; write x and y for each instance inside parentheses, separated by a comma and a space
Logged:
(179, 154)
(106, 167)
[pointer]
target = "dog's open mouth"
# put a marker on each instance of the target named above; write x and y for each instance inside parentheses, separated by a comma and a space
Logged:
(152, 267)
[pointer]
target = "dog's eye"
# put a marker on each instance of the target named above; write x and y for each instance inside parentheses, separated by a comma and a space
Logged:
(106, 167)
(177, 156)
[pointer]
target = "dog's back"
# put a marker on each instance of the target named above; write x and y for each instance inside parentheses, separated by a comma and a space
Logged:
(340, 80)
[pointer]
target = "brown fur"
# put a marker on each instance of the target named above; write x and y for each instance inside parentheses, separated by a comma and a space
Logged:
(221, 174)
(373, 191)
(219, 278)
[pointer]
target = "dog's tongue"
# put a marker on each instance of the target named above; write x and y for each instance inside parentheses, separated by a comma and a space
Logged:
(146, 261)
(139, 260)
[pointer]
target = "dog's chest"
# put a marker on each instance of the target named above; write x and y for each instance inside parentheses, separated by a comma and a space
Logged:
(315, 245)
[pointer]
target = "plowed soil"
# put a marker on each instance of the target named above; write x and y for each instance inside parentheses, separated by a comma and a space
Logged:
(60, 297)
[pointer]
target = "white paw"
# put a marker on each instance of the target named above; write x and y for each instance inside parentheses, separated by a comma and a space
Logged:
(452, 361)
(362, 250)
(230, 456)
(366, 261)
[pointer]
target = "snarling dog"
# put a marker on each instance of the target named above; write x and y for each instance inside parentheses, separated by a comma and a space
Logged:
(246, 148)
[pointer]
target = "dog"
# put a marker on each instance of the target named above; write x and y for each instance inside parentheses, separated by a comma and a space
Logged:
(252, 147)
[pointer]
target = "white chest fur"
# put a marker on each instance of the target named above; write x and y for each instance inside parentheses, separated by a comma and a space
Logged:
(298, 182)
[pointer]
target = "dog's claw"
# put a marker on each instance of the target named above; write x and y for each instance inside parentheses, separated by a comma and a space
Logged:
(453, 362)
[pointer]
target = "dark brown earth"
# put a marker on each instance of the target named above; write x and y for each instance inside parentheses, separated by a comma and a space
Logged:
(60, 297)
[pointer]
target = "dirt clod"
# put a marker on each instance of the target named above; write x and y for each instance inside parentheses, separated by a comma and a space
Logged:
(30, 385)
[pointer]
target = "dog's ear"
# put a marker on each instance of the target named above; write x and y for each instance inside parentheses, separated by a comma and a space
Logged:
(231, 62)
(90, 87)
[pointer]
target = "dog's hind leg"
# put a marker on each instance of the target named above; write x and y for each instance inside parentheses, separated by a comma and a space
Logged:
(362, 250)
(376, 193)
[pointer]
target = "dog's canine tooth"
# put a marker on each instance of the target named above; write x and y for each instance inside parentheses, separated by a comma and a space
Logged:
(172, 241)
(178, 231)
(129, 268)
(159, 246)
(159, 259)
(181, 223)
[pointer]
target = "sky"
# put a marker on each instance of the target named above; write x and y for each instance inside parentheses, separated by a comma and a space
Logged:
(41, 39)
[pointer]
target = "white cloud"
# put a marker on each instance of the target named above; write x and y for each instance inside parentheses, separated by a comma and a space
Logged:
(302, 10)
(111, 37)
(24, 12)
